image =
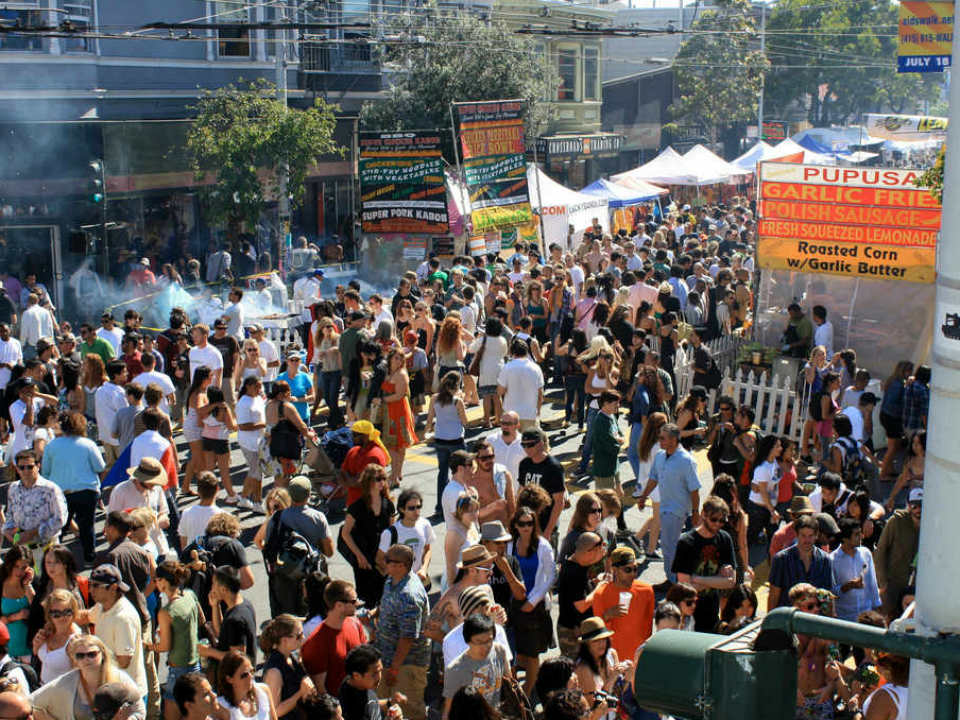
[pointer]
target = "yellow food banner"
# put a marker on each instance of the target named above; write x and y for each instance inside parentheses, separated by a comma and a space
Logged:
(872, 261)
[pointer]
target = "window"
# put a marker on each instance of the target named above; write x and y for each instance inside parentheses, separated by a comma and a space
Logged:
(567, 66)
(232, 43)
(80, 14)
(591, 74)
(23, 15)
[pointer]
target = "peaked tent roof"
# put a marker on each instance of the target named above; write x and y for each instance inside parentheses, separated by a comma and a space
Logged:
(748, 161)
(546, 192)
(809, 143)
(667, 168)
(622, 195)
(708, 162)
(789, 147)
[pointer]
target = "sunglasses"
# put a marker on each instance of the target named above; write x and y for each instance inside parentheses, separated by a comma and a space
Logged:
(27, 467)
(411, 508)
(60, 613)
(89, 655)
(484, 458)
(690, 603)
(530, 443)
(524, 523)
(595, 511)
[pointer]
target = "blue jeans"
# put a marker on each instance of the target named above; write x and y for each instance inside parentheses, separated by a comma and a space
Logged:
(633, 455)
(330, 382)
(671, 527)
(592, 412)
(573, 386)
(444, 449)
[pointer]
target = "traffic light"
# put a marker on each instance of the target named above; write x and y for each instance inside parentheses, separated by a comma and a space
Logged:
(96, 185)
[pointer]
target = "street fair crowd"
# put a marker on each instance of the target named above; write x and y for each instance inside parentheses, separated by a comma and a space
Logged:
(126, 580)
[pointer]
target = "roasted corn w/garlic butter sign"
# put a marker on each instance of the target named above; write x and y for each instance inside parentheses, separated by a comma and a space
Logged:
(860, 222)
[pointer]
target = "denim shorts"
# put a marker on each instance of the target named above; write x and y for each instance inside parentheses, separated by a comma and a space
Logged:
(172, 674)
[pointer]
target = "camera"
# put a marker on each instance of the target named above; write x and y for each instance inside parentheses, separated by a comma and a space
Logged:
(599, 696)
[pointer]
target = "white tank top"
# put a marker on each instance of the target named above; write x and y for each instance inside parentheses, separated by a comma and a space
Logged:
(263, 706)
(897, 693)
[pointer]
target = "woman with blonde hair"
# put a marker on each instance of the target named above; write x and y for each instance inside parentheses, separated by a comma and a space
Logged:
(276, 500)
(461, 534)
(249, 363)
(70, 696)
(60, 609)
(366, 519)
(647, 450)
(283, 672)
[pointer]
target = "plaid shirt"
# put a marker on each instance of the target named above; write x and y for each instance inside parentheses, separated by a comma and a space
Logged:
(916, 400)
(404, 609)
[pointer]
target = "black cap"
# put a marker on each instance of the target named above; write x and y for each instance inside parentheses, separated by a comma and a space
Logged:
(108, 574)
(357, 315)
(868, 398)
(110, 698)
(533, 436)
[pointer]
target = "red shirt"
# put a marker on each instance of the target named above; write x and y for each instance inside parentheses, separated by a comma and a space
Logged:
(786, 484)
(356, 460)
(134, 366)
(326, 650)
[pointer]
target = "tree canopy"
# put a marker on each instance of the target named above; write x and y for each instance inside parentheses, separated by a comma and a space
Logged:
(719, 70)
(439, 59)
(244, 134)
(833, 61)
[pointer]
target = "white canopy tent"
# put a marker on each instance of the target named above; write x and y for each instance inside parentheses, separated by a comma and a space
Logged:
(789, 147)
(748, 161)
(667, 168)
(560, 207)
(709, 163)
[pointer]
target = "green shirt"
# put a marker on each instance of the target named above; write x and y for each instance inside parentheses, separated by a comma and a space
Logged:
(442, 276)
(606, 445)
(100, 347)
(184, 620)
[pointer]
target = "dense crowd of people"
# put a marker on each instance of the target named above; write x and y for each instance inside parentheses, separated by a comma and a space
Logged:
(528, 612)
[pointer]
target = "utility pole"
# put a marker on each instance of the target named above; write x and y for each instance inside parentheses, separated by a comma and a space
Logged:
(283, 201)
(938, 566)
(763, 75)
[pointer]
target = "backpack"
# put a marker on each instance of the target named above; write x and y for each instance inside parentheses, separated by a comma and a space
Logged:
(33, 682)
(198, 556)
(855, 467)
(290, 555)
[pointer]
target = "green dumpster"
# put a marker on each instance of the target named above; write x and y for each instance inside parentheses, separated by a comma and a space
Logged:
(715, 677)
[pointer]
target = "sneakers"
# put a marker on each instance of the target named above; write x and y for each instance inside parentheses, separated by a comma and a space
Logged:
(246, 503)
(232, 500)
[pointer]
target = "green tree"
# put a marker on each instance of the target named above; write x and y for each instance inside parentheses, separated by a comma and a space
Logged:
(836, 61)
(440, 59)
(244, 135)
(719, 70)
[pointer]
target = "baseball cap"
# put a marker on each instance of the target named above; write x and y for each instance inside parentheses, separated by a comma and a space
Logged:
(294, 354)
(916, 496)
(144, 261)
(532, 436)
(623, 556)
(219, 322)
(255, 327)
(299, 488)
(108, 574)
(317, 272)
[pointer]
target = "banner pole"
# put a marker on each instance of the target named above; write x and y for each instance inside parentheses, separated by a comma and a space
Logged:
(536, 176)
(465, 201)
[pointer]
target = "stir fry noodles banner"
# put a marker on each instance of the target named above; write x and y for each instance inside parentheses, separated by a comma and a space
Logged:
(859, 222)
(492, 146)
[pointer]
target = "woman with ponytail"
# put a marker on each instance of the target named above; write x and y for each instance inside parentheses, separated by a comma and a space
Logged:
(178, 622)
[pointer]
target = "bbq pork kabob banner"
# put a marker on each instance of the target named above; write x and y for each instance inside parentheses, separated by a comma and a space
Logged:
(859, 222)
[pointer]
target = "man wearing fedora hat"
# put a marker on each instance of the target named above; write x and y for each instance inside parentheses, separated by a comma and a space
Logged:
(144, 489)
(786, 536)
(475, 568)
(625, 603)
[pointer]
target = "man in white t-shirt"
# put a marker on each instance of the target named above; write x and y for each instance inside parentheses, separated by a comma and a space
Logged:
(822, 329)
(11, 353)
(520, 385)
(193, 520)
(117, 622)
(268, 351)
(110, 398)
(461, 472)
(576, 273)
(506, 444)
(150, 374)
(110, 332)
(861, 416)
(203, 353)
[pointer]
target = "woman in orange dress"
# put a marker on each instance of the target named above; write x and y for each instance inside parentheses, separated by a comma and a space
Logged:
(398, 431)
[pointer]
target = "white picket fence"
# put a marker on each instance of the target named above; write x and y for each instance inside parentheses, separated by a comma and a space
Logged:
(780, 402)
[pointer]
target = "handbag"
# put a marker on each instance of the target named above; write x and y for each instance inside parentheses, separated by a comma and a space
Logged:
(514, 703)
(475, 364)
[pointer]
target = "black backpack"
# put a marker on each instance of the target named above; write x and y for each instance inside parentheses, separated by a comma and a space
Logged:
(198, 556)
(289, 554)
(29, 673)
(856, 472)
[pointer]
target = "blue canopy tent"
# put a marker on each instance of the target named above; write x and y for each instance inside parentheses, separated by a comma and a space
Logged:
(620, 195)
(812, 145)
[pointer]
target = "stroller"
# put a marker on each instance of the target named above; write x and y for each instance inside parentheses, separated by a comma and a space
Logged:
(324, 460)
